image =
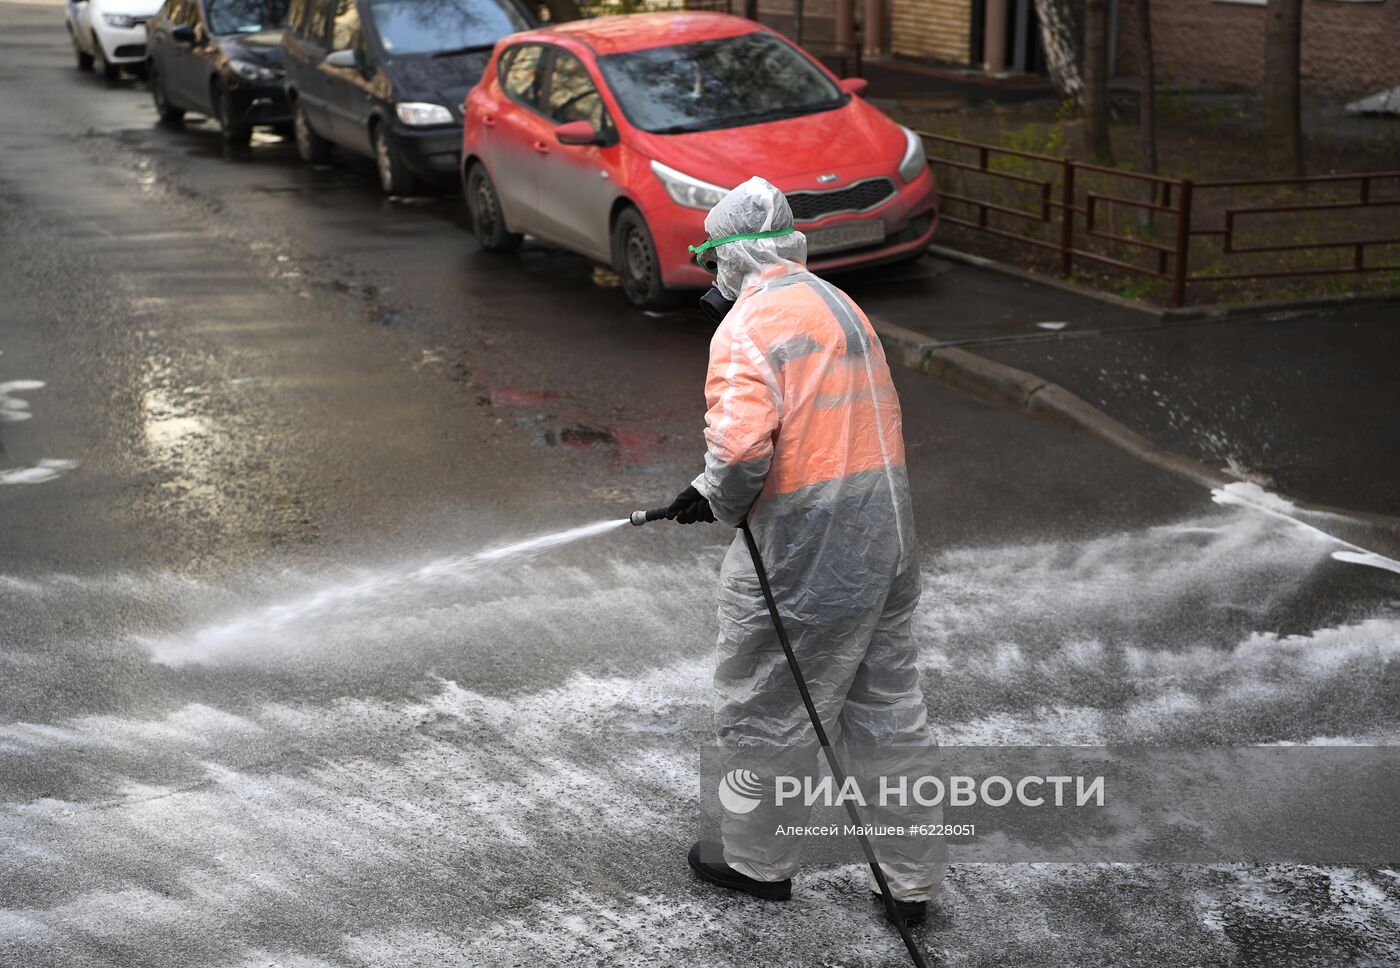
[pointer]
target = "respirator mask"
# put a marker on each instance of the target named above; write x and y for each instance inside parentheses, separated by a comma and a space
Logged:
(714, 303)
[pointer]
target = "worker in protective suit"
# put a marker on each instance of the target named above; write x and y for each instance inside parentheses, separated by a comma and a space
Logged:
(803, 437)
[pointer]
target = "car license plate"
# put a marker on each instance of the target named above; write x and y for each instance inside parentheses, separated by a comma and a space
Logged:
(847, 236)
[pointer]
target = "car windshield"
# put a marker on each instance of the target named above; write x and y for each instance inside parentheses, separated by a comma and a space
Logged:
(245, 16)
(444, 26)
(718, 84)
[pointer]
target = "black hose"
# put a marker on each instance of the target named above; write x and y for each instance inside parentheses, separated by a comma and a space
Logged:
(838, 775)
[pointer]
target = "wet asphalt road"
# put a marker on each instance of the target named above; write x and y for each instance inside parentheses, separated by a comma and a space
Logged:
(259, 705)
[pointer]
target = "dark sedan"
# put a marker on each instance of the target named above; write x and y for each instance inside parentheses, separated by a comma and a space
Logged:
(222, 58)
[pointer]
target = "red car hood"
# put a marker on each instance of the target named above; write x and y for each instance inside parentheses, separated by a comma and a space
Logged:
(855, 141)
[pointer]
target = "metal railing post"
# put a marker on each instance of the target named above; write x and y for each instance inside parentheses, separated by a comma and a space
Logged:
(1067, 221)
(1183, 240)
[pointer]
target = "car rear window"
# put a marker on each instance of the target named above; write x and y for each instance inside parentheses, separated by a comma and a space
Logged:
(722, 83)
(520, 73)
(444, 26)
(244, 16)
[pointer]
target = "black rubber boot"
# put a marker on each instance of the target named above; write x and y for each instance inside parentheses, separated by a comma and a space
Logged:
(910, 912)
(707, 861)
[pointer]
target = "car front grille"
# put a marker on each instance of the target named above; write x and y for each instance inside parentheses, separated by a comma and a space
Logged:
(130, 50)
(860, 197)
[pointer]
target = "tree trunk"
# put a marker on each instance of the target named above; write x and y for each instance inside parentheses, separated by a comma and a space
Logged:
(1147, 118)
(1060, 38)
(1283, 32)
(560, 10)
(1095, 96)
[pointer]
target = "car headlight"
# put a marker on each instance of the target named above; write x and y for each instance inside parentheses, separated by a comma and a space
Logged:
(120, 21)
(417, 114)
(688, 191)
(254, 72)
(914, 160)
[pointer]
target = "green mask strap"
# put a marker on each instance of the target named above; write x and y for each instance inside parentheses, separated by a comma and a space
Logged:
(700, 250)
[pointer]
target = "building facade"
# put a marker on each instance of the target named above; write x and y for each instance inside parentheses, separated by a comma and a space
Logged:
(1350, 47)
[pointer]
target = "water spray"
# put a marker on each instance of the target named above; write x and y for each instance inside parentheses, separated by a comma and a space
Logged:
(640, 518)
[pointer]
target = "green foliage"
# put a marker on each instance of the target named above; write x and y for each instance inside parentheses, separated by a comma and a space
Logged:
(1170, 104)
(608, 8)
(1137, 290)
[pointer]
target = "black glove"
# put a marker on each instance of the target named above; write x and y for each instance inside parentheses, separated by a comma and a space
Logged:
(689, 507)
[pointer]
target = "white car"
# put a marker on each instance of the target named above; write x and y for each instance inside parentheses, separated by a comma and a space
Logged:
(108, 35)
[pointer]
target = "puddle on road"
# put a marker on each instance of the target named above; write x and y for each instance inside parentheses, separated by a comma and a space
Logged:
(555, 421)
(518, 397)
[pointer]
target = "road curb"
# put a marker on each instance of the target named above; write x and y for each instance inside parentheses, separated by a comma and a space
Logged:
(1281, 307)
(1163, 314)
(1035, 396)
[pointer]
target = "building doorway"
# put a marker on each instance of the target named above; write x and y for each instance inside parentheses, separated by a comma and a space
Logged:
(1018, 36)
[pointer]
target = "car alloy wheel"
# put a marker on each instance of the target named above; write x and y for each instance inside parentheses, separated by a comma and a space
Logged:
(487, 222)
(314, 149)
(235, 135)
(394, 176)
(639, 261)
(485, 214)
(384, 163)
(167, 111)
(634, 260)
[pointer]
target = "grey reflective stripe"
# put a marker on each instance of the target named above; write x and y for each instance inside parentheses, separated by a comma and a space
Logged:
(856, 342)
(791, 279)
(791, 349)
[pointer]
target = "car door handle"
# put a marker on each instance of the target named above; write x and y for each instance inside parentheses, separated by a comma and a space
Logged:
(541, 146)
(489, 120)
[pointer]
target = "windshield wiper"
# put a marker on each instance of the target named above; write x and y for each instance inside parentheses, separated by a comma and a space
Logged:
(469, 49)
(740, 120)
(784, 113)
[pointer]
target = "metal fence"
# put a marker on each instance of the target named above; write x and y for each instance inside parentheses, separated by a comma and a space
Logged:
(1073, 212)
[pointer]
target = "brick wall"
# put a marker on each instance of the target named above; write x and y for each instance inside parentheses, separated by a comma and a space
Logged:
(933, 28)
(1349, 48)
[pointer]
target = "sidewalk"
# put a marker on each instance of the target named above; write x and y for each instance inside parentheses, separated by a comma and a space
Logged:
(1303, 406)
(956, 303)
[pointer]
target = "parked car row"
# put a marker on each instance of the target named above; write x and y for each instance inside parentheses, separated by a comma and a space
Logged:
(611, 137)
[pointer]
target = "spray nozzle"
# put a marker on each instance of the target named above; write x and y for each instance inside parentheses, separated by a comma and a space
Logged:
(640, 518)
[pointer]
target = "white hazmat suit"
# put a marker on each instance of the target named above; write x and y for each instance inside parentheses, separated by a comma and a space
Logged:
(804, 438)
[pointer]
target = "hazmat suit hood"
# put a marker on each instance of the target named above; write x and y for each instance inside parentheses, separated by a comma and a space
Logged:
(755, 206)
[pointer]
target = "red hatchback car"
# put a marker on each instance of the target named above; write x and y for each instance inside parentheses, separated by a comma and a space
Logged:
(613, 137)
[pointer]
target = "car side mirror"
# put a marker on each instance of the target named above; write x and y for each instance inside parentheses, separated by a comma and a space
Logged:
(853, 85)
(578, 133)
(183, 33)
(343, 58)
